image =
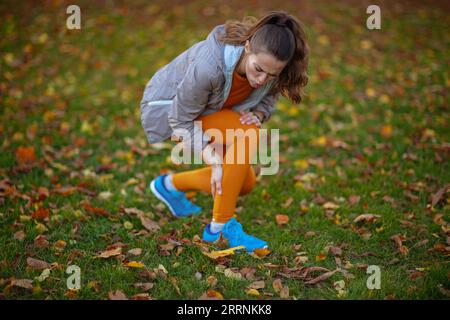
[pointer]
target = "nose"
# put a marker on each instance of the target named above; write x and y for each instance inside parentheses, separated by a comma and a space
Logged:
(262, 79)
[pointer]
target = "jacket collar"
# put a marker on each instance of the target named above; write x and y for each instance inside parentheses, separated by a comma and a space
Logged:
(231, 55)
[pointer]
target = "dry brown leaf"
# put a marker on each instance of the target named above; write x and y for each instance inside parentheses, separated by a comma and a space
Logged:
(115, 251)
(22, 283)
(144, 286)
(37, 264)
(354, 199)
(277, 285)
(149, 224)
(41, 242)
(257, 285)
(117, 295)
(141, 296)
(368, 217)
(135, 251)
(322, 277)
(284, 292)
(65, 191)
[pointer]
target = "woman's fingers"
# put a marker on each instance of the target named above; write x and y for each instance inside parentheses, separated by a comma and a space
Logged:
(219, 187)
(250, 118)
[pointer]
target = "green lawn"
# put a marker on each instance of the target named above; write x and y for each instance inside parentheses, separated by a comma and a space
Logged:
(370, 137)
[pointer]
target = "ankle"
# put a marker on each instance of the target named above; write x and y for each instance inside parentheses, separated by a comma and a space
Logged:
(216, 227)
(168, 183)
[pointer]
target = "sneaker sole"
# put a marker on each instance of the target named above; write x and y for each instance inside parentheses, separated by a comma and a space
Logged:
(160, 197)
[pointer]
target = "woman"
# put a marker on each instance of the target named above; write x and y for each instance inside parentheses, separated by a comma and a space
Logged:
(231, 80)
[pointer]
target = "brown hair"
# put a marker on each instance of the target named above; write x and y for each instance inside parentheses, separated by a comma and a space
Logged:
(281, 35)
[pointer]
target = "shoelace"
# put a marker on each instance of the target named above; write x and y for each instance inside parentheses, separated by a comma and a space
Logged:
(182, 198)
(236, 229)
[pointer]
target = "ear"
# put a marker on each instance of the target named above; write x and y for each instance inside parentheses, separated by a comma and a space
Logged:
(247, 46)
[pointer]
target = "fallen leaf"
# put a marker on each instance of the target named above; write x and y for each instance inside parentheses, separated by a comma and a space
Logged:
(65, 191)
(117, 295)
(257, 285)
(19, 235)
(252, 292)
(37, 264)
(284, 292)
(143, 286)
(135, 251)
(212, 281)
(322, 277)
(330, 206)
(277, 285)
(134, 264)
(44, 275)
(232, 275)
(353, 199)
(111, 252)
(261, 253)
(25, 155)
(22, 283)
(282, 219)
(41, 242)
(88, 207)
(149, 224)
(41, 213)
(211, 294)
(222, 253)
(368, 217)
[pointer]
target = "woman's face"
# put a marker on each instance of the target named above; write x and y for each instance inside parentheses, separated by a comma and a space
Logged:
(261, 68)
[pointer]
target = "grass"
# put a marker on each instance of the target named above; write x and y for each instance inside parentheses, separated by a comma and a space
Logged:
(73, 97)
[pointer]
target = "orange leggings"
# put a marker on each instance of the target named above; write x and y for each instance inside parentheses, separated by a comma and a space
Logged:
(238, 178)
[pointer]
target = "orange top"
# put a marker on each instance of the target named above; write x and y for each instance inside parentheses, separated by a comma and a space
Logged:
(240, 90)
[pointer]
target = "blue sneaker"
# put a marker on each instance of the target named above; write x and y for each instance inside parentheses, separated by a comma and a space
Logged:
(177, 202)
(233, 232)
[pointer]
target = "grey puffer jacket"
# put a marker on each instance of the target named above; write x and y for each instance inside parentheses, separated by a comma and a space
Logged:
(197, 82)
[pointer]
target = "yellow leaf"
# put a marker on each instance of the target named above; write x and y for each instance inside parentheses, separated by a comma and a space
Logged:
(134, 264)
(366, 44)
(370, 92)
(301, 164)
(386, 131)
(321, 257)
(222, 253)
(320, 141)
(323, 40)
(261, 253)
(128, 225)
(252, 292)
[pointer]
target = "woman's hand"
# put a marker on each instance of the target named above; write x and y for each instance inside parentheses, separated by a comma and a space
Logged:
(250, 117)
(214, 159)
(216, 179)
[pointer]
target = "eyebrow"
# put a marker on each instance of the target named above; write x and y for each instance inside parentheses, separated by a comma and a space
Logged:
(273, 75)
